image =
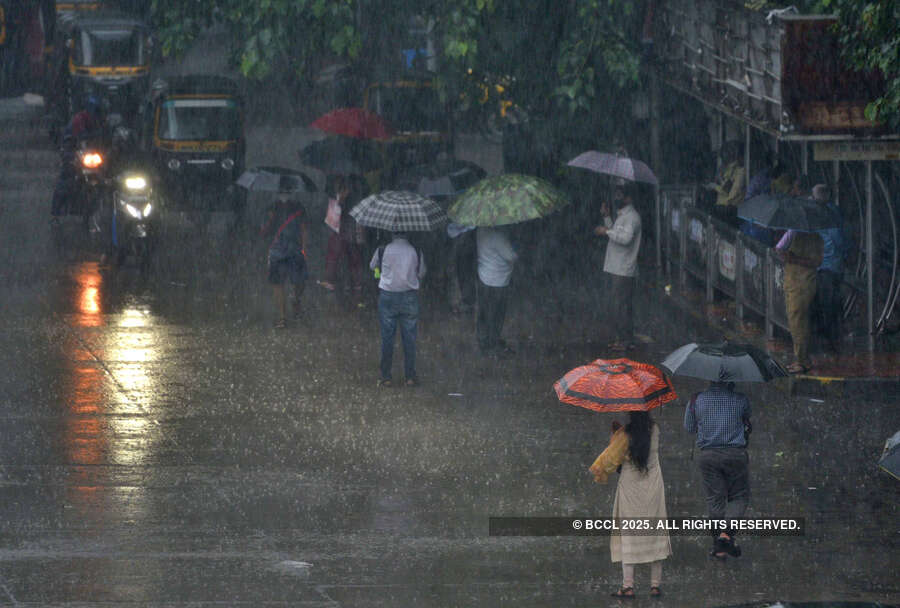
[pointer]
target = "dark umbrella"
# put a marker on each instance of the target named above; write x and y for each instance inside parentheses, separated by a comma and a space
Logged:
(615, 165)
(399, 211)
(724, 362)
(354, 122)
(441, 179)
(890, 458)
(275, 179)
(786, 212)
(340, 155)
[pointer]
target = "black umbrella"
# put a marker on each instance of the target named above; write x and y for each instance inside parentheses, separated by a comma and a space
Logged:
(340, 155)
(723, 362)
(275, 179)
(785, 212)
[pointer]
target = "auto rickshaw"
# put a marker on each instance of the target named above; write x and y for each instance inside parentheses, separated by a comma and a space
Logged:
(107, 55)
(422, 129)
(193, 128)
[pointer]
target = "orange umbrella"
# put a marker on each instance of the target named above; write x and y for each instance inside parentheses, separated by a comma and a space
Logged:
(615, 385)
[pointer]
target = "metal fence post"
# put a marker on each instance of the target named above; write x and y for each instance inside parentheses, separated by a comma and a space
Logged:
(739, 276)
(769, 282)
(712, 246)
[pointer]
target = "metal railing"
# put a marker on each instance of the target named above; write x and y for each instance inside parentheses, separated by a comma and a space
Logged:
(723, 259)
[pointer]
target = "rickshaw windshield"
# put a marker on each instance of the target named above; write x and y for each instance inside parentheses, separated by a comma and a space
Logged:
(199, 120)
(409, 109)
(107, 48)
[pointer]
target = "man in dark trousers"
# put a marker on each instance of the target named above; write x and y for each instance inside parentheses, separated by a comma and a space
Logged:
(721, 419)
(828, 274)
(400, 270)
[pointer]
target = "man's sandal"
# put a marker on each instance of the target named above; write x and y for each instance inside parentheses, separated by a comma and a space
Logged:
(625, 593)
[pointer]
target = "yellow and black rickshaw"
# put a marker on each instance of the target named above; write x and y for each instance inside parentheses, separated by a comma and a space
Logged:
(421, 123)
(108, 56)
(193, 127)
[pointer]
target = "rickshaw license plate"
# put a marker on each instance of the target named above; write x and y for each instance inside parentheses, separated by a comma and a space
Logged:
(140, 231)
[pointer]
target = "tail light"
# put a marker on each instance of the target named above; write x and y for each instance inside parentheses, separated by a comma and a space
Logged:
(92, 160)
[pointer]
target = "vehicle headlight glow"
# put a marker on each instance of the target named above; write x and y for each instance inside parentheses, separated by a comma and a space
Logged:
(228, 164)
(174, 164)
(147, 209)
(135, 183)
(133, 212)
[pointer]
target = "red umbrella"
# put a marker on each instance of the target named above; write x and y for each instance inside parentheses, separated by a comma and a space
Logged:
(354, 122)
(615, 385)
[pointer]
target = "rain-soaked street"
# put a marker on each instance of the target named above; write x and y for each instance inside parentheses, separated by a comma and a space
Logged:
(164, 446)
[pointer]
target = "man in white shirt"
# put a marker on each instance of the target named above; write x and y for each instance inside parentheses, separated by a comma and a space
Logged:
(496, 258)
(621, 264)
(401, 269)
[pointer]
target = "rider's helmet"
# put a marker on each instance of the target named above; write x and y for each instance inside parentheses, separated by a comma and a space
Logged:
(93, 105)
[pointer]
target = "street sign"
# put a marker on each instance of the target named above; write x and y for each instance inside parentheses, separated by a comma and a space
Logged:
(856, 150)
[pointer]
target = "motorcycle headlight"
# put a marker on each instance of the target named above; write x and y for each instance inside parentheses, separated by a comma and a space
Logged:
(174, 164)
(228, 164)
(147, 209)
(135, 182)
(132, 211)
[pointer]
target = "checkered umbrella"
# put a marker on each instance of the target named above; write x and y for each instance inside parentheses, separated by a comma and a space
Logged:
(399, 211)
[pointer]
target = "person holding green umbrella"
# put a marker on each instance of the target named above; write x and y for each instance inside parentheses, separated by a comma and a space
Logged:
(491, 205)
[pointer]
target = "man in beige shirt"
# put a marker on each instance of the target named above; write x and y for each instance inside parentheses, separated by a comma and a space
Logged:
(621, 264)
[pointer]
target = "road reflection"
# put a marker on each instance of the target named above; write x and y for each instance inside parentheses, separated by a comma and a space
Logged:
(109, 359)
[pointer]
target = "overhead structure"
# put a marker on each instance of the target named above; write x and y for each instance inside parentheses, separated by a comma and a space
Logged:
(780, 73)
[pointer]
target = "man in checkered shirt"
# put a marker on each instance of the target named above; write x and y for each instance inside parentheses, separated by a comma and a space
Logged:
(721, 419)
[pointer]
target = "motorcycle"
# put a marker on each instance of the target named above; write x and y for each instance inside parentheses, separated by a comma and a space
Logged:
(134, 218)
(118, 199)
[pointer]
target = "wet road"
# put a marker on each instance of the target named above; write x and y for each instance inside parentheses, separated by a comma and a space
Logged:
(164, 446)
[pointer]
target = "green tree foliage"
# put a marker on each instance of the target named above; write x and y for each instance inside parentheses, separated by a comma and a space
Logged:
(267, 35)
(870, 38)
(555, 54)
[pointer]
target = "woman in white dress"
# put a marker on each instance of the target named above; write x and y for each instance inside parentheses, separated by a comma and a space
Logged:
(640, 493)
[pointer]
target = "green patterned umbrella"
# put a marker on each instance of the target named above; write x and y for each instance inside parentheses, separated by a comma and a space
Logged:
(506, 199)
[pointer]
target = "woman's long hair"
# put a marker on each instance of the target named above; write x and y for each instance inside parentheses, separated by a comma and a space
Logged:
(639, 427)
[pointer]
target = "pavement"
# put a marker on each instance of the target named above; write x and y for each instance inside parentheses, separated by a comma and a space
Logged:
(163, 445)
(863, 365)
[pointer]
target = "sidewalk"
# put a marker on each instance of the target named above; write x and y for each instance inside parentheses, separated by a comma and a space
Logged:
(856, 367)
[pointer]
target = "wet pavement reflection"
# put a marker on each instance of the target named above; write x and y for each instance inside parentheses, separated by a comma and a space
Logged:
(164, 446)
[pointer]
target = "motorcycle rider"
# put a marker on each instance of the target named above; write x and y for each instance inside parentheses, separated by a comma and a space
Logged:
(85, 124)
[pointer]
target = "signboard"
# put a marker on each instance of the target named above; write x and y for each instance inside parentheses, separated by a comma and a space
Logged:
(727, 260)
(856, 150)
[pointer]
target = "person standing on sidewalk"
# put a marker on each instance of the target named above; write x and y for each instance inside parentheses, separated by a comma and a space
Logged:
(496, 258)
(801, 253)
(640, 493)
(720, 418)
(828, 274)
(620, 264)
(346, 237)
(401, 268)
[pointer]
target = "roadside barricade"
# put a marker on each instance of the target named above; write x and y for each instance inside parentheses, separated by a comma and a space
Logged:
(723, 259)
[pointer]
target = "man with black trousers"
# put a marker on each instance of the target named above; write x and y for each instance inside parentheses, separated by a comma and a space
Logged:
(496, 258)
(721, 419)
